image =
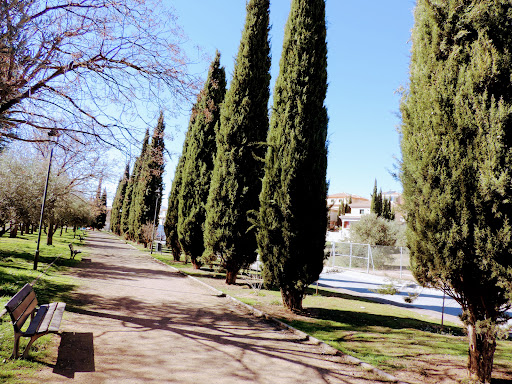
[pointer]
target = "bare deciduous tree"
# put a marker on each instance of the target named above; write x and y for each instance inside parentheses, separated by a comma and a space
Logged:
(23, 171)
(86, 67)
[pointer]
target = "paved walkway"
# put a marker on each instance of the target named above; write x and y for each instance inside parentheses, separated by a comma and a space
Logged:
(141, 322)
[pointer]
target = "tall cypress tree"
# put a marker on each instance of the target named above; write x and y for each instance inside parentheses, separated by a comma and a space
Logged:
(376, 203)
(236, 179)
(198, 165)
(124, 224)
(171, 218)
(149, 186)
(117, 204)
(387, 212)
(102, 219)
(292, 217)
(457, 163)
(97, 220)
(127, 214)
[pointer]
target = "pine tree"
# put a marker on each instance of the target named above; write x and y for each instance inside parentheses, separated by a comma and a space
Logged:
(117, 204)
(146, 200)
(238, 169)
(198, 165)
(292, 217)
(457, 164)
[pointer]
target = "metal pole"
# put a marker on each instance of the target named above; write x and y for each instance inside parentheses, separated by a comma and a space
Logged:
(36, 257)
(368, 261)
(333, 252)
(350, 258)
(154, 220)
(442, 313)
(401, 251)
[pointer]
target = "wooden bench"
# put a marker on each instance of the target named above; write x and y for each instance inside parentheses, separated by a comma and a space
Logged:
(44, 319)
(74, 252)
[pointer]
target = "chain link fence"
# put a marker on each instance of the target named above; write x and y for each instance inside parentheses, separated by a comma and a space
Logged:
(393, 261)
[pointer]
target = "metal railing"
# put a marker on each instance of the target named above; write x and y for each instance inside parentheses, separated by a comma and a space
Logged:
(366, 257)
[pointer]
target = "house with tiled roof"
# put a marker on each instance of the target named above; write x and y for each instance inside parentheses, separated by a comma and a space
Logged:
(358, 206)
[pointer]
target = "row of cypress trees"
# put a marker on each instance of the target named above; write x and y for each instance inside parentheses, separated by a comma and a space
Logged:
(241, 186)
(138, 195)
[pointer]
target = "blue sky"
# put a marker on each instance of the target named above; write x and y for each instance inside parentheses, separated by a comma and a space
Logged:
(368, 59)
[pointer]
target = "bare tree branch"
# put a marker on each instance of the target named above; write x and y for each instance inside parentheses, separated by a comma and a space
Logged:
(85, 66)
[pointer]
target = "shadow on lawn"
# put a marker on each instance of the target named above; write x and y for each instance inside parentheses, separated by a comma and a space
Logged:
(9, 256)
(16, 271)
(361, 321)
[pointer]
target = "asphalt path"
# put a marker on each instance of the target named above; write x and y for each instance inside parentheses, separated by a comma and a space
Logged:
(431, 301)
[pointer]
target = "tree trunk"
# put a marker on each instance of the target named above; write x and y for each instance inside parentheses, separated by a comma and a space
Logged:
(49, 239)
(13, 230)
(482, 345)
(176, 250)
(231, 277)
(61, 228)
(195, 262)
(292, 299)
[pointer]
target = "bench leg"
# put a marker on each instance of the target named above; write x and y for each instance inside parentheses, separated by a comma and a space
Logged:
(32, 339)
(16, 345)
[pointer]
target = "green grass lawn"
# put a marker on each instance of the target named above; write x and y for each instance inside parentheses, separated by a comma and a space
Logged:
(16, 269)
(389, 337)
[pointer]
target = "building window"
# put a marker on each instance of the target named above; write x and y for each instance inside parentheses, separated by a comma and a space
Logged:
(361, 211)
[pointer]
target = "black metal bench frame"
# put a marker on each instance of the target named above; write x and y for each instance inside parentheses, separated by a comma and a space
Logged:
(74, 252)
(45, 318)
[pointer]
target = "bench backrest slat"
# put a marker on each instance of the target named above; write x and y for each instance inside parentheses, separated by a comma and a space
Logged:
(21, 306)
(18, 298)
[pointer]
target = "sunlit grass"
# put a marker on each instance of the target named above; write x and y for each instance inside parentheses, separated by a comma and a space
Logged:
(16, 269)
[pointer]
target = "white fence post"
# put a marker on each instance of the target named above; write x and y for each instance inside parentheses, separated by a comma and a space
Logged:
(368, 261)
(401, 251)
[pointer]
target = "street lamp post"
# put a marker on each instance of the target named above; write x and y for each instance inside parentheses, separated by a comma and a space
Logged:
(36, 257)
(154, 221)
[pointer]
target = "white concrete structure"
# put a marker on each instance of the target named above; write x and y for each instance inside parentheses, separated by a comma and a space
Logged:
(359, 206)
